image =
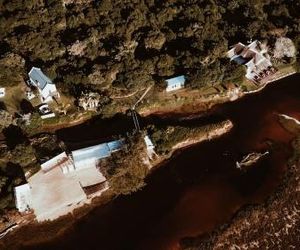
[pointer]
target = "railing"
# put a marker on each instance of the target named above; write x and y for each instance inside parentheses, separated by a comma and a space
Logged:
(135, 120)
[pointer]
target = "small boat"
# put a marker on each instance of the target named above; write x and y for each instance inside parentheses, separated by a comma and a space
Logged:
(250, 159)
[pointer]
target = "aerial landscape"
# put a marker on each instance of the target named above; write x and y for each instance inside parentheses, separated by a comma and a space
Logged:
(149, 124)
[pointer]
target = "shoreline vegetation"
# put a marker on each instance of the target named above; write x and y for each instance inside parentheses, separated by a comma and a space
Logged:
(194, 101)
(218, 130)
(207, 132)
(112, 52)
(178, 138)
(204, 133)
(272, 224)
(186, 101)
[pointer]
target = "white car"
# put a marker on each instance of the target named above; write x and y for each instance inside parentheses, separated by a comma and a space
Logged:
(2, 92)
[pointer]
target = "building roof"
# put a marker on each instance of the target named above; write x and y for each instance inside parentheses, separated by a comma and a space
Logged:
(238, 48)
(253, 45)
(39, 78)
(88, 177)
(240, 60)
(91, 154)
(148, 142)
(115, 145)
(54, 194)
(242, 54)
(94, 152)
(55, 162)
(23, 197)
(175, 81)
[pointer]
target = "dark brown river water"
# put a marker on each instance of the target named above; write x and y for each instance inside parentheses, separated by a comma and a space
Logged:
(199, 188)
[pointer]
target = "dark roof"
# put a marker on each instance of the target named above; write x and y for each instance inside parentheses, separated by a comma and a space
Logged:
(241, 60)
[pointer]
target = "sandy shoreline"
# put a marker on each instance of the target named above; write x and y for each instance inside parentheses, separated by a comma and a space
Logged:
(272, 224)
(205, 103)
(210, 135)
(189, 142)
(289, 118)
(89, 203)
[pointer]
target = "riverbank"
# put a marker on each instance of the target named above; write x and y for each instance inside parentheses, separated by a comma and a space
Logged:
(203, 175)
(220, 130)
(102, 197)
(177, 139)
(186, 143)
(273, 224)
(183, 102)
(183, 144)
(188, 102)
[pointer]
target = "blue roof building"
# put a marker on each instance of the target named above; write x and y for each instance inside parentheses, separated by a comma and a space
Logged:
(44, 85)
(88, 157)
(38, 78)
(115, 145)
(175, 83)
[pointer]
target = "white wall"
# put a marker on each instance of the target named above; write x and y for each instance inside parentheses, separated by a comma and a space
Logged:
(48, 92)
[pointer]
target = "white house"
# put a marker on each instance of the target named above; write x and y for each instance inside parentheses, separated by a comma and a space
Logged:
(2, 92)
(44, 85)
(23, 197)
(175, 83)
(258, 66)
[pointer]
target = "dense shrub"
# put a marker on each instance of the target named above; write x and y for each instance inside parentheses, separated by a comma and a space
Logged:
(143, 41)
(126, 169)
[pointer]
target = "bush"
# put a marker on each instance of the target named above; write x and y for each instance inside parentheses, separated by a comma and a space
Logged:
(126, 170)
